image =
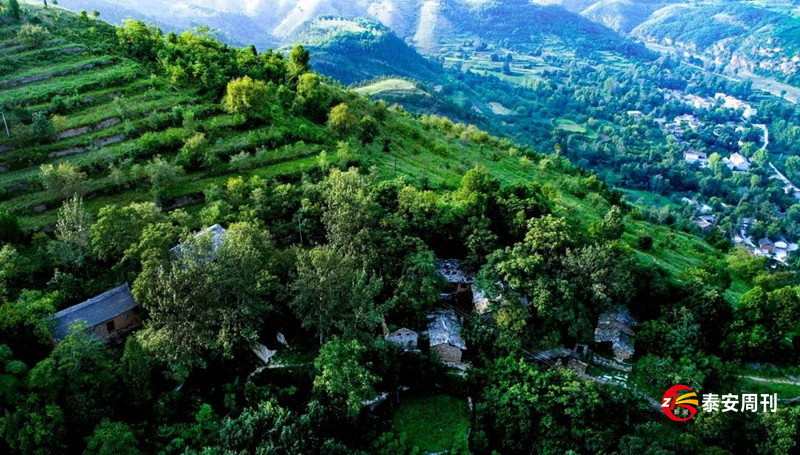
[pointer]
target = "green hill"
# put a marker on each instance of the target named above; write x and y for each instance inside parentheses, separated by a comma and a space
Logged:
(353, 50)
(742, 36)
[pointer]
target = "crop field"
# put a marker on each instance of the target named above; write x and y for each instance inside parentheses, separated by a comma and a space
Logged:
(108, 112)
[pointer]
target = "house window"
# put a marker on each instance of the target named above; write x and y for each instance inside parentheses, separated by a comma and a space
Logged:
(110, 326)
(127, 315)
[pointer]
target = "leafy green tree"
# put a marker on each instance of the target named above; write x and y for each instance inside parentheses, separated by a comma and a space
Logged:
(612, 227)
(78, 376)
(139, 40)
(341, 121)
(10, 232)
(368, 130)
(12, 377)
(72, 234)
(35, 427)
(206, 302)
(62, 181)
(36, 36)
(350, 210)
(343, 377)
(13, 9)
(266, 428)
(162, 176)
(315, 96)
(24, 326)
(118, 228)
(112, 438)
(136, 369)
(793, 166)
(299, 60)
(333, 294)
(247, 97)
(523, 410)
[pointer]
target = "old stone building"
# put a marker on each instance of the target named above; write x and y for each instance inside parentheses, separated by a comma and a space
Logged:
(110, 313)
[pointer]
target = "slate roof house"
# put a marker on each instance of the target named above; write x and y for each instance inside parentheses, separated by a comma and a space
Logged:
(459, 281)
(614, 326)
(109, 313)
(444, 332)
(405, 338)
(216, 232)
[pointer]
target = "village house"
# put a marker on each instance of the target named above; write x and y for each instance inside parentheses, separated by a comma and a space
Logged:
(405, 338)
(112, 312)
(695, 157)
(766, 245)
(459, 281)
(216, 233)
(705, 222)
(614, 327)
(444, 333)
(737, 162)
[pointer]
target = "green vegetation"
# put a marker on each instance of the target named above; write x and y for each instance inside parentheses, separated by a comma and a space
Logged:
(431, 422)
(335, 208)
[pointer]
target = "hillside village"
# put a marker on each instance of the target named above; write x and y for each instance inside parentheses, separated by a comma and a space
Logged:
(777, 249)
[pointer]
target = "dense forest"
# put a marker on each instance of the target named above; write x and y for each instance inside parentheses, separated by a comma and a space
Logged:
(274, 227)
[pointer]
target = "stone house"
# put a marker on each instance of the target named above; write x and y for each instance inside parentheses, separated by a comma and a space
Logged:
(112, 312)
(614, 327)
(444, 332)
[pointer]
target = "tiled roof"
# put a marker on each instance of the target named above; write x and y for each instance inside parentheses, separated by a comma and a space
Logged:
(94, 311)
(445, 327)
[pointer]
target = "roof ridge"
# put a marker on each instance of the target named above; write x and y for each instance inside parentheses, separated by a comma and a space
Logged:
(93, 300)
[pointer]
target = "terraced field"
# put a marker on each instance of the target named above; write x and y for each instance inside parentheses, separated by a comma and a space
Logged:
(110, 113)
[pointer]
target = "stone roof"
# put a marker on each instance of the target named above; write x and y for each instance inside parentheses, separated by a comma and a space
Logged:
(405, 338)
(453, 270)
(217, 233)
(94, 311)
(615, 326)
(445, 328)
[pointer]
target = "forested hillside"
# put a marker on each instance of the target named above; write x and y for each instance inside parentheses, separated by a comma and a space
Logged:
(278, 231)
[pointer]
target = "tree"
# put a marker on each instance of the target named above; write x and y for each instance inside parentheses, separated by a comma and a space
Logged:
(10, 232)
(523, 410)
(24, 326)
(12, 377)
(350, 210)
(343, 377)
(793, 166)
(13, 9)
(79, 378)
(72, 233)
(247, 97)
(368, 130)
(207, 302)
(299, 60)
(63, 181)
(612, 227)
(36, 36)
(341, 121)
(118, 228)
(333, 294)
(266, 428)
(111, 438)
(162, 176)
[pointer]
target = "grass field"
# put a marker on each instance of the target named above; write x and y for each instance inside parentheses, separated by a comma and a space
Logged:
(432, 423)
(389, 85)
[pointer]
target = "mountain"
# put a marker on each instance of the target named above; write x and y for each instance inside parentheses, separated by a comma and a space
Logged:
(353, 50)
(733, 36)
(624, 15)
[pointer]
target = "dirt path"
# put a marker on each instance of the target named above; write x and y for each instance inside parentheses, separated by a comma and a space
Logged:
(771, 380)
